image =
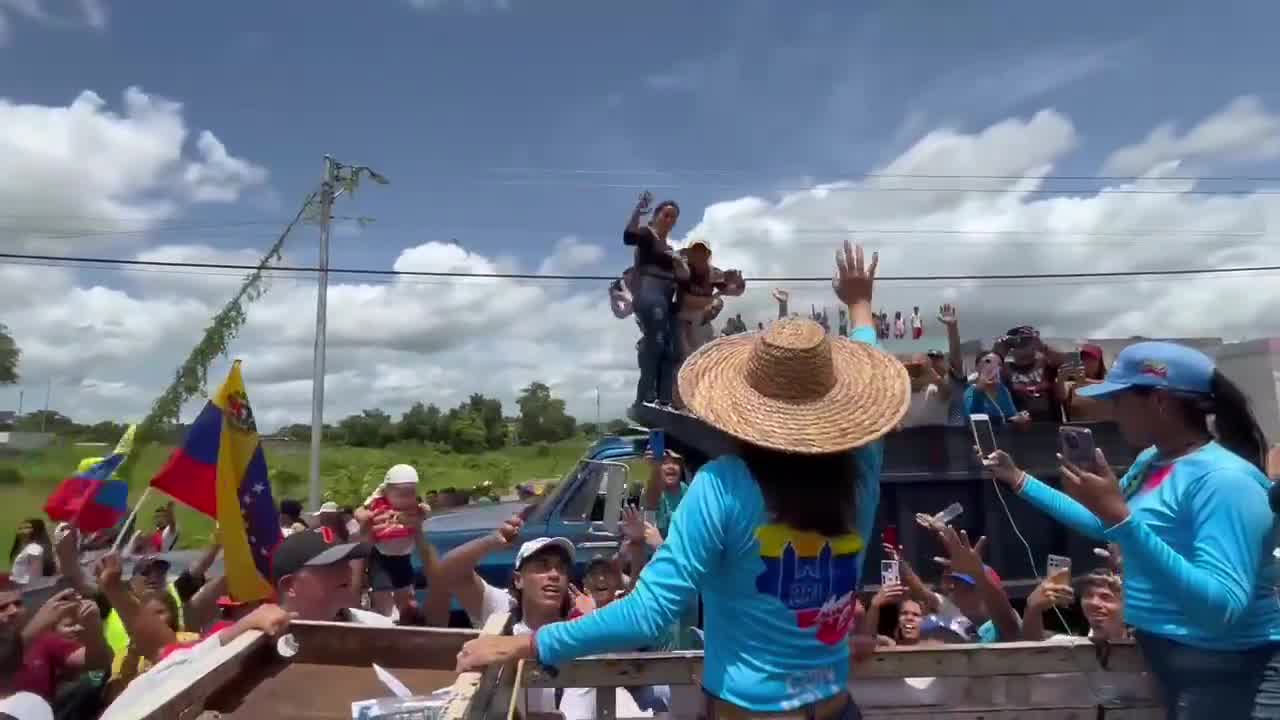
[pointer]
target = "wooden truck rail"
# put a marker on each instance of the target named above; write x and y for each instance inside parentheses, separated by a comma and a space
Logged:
(332, 669)
(1005, 680)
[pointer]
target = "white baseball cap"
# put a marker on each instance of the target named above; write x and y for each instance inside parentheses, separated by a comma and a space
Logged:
(537, 544)
(401, 475)
(329, 507)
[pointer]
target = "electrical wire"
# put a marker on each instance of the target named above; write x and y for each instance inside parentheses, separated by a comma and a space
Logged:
(894, 176)
(127, 262)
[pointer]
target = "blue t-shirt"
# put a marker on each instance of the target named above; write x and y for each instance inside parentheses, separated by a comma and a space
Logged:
(777, 603)
(1000, 411)
(667, 504)
(1197, 547)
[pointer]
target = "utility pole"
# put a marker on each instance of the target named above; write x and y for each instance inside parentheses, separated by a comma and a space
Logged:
(48, 395)
(21, 395)
(338, 178)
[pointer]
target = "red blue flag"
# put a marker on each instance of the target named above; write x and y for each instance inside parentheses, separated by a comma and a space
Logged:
(220, 470)
(91, 500)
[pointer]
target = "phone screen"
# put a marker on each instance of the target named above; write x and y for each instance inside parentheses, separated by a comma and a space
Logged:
(983, 434)
(889, 573)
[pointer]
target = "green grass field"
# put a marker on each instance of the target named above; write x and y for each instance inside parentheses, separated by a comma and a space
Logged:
(348, 473)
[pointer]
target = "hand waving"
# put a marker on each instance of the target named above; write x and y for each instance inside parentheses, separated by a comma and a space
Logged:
(947, 315)
(781, 295)
(633, 524)
(854, 278)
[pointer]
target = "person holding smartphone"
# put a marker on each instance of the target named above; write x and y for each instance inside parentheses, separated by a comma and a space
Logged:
(656, 271)
(988, 395)
(1192, 521)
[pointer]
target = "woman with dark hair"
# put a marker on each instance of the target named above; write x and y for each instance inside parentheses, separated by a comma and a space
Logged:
(774, 535)
(31, 555)
(656, 271)
(1092, 370)
(1192, 522)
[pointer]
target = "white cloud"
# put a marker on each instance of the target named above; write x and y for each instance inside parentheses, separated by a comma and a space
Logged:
(85, 174)
(571, 255)
(400, 340)
(1242, 131)
(52, 14)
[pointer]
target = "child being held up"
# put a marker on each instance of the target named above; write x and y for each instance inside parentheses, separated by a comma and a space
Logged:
(393, 513)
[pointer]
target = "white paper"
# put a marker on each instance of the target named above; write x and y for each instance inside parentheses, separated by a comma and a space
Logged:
(392, 682)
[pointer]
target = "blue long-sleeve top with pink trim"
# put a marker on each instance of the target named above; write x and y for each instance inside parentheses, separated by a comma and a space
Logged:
(1197, 547)
(777, 602)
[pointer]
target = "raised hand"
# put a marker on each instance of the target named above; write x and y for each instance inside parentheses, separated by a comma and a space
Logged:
(581, 601)
(1055, 590)
(510, 529)
(1001, 465)
(888, 595)
(966, 558)
(781, 295)
(947, 315)
(63, 604)
(633, 525)
(854, 278)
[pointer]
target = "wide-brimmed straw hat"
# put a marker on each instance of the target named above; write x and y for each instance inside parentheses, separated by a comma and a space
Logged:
(794, 388)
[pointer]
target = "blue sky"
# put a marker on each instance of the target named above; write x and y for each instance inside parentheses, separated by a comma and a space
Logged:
(442, 100)
(507, 125)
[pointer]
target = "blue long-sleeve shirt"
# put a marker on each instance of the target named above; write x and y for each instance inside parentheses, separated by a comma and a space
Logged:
(1197, 547)
(1000, 410)
(777, 602)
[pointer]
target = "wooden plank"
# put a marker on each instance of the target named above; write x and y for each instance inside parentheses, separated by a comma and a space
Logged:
(330, 643)
(283, 690)
(1006, 713)
(473, 690)
(184, 695)
(1021, 658)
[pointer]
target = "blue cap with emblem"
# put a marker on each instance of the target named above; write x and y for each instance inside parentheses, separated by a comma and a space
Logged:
(1161, 365)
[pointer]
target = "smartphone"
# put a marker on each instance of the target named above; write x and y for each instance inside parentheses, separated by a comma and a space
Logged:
(983, 434)
(646, 199)
(1076, 445)
(890, 535)
(657, 444)
(889, 573)
(1056, 564)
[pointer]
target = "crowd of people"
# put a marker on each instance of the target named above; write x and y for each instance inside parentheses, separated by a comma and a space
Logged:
(770, 537)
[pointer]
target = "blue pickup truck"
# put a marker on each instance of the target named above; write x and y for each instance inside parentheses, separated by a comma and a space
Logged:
(585, 507)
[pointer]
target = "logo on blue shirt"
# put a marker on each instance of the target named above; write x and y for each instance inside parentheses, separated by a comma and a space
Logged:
(813, 576)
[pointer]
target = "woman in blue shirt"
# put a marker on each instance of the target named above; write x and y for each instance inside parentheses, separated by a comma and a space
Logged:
(774, 536)
(988, 395)
(1193, 525)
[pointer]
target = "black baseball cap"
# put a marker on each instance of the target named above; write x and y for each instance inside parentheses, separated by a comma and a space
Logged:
(151, 564)
(312, 548)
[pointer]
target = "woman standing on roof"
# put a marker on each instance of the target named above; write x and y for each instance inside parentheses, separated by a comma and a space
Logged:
(1191, 519)
(656, 271)
(808, 412)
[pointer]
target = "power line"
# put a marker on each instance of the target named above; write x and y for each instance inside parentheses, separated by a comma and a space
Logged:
(834, 187)
(21, 258)
(897, 176)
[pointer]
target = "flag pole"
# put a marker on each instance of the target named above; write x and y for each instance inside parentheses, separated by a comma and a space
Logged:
(128, 522)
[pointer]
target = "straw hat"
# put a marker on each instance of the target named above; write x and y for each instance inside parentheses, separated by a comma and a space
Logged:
(795, 389)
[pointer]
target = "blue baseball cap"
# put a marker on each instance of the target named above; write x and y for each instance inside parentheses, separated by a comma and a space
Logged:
(1163, 365)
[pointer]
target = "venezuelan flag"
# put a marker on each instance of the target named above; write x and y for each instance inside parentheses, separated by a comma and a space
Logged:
(812, 575)
(91, 500)
(220, 471)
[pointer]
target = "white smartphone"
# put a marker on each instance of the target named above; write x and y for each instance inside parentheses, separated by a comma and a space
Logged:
(983, 434)
(889, 573)
(1056, 564)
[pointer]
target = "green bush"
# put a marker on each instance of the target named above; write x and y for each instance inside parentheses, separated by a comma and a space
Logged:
(10, 476)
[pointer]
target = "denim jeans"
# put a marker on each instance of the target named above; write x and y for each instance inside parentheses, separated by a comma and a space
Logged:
(652, 302)
(1214, 684)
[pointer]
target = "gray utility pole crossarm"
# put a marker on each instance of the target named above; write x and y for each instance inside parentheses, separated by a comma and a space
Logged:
(338, 178)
